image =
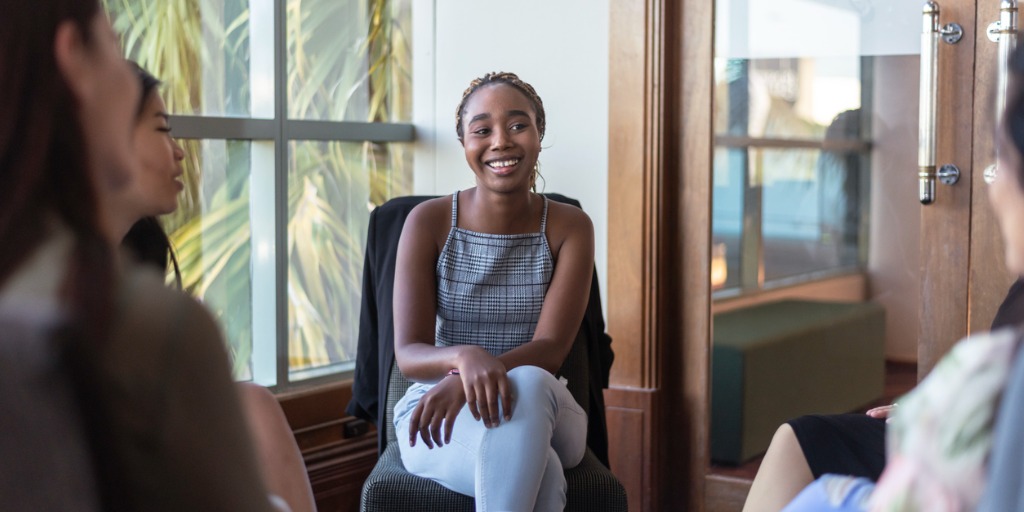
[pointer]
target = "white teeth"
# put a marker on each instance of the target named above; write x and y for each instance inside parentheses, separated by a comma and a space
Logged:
(504, 163)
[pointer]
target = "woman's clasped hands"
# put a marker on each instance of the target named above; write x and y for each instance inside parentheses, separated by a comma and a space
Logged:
(480, 381)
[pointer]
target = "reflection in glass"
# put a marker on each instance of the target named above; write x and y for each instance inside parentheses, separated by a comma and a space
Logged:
(211, 236)
(350, 60)
(784, 98)
(727, 210)
(332, 187)
(810, 216)
(790, 166)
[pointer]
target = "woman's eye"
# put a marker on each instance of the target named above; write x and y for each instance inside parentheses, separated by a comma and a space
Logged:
(519, 127)
(482, 131)
(164, 129)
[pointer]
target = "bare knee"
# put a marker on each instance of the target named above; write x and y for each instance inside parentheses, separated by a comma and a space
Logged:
(783, 473)
(281, 464)
(785, 437)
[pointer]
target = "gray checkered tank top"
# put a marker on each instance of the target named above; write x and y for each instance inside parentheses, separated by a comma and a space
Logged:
(490, 288)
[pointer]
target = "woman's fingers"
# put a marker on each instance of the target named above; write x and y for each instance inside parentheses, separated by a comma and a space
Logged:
(881, 412)
(435, 428)
(448, 424)
(492, 405)
(414, 423)
(425, 434)
(506, 397)
(484, 404)
(471, 401)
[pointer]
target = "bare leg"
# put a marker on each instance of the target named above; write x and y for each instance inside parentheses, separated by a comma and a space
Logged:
(281, 465)
(782, 475)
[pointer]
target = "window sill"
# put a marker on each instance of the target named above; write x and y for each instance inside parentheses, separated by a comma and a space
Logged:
(849, 287)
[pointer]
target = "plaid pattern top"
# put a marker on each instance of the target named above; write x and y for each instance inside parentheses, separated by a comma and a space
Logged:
(490, 288)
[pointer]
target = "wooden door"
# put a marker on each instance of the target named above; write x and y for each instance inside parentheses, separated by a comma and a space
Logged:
(662, 143)
(964, 278)
(988, 278)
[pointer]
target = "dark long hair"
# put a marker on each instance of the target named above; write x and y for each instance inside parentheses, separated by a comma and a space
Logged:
(1013, 118)
(149, 243)
(43, 158)
(45, 177)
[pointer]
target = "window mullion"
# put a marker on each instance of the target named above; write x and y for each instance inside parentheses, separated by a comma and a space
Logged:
(263, 223)
(281, 149)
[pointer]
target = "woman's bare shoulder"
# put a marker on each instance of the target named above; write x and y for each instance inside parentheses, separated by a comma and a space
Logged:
(566, 219)
(430, 219)
(432, 210)
(567, 222)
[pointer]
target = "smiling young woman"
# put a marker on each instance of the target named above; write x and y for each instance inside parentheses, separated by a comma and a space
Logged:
(490, 288)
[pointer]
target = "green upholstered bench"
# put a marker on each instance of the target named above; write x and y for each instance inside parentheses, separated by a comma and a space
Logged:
(776, 361)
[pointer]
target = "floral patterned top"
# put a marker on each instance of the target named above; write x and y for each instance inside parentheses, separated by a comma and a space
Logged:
(939, 437)
(941, 434)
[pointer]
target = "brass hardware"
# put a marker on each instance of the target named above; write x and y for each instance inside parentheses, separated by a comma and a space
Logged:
(930, 34)
(1003, 33)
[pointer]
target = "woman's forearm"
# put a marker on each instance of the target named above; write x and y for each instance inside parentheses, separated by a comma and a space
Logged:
(423, 362)
(545, 353)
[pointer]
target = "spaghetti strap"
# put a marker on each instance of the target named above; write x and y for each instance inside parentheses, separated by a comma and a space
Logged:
(544, 216)
(455, 209)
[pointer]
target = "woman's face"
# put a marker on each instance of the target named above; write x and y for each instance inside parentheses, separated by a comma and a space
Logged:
(500, 138)
(155, 184)
(107, 92)
(1006, 196)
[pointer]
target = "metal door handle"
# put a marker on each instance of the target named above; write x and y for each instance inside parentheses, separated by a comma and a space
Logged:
(951, 33)
(1003, 33)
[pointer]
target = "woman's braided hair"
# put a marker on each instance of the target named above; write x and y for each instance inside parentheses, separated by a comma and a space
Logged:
(501, 77)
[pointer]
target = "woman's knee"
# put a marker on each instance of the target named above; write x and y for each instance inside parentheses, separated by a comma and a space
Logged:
(529, 377)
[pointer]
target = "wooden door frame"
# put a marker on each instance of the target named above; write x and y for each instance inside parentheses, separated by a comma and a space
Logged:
(659, 210)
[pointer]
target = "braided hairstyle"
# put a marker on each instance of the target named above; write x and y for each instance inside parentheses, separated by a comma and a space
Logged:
(501, 77)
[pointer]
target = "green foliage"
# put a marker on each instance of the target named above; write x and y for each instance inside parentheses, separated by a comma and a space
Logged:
(200, 49)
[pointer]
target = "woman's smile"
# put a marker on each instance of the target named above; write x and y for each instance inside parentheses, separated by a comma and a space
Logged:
(503, 166)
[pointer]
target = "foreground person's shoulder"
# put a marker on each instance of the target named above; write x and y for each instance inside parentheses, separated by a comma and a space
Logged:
(152, 311)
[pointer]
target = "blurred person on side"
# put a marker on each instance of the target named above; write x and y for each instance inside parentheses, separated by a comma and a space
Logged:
(116, 389)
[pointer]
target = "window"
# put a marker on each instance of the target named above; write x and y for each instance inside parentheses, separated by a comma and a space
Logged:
(792, 158)
(295, 117)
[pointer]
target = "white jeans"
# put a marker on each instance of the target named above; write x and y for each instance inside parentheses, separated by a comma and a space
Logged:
(516, 466)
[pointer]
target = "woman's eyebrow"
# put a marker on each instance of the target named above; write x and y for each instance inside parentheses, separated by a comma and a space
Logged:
(511, 113)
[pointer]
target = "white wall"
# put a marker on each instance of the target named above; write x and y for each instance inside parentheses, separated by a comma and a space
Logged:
(559, 47)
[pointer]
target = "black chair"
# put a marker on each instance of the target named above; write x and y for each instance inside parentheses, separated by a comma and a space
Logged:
(379, 385)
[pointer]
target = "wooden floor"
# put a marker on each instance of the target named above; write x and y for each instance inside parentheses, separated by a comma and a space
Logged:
(734, 481)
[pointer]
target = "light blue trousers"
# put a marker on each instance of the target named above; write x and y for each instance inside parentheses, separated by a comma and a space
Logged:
(516, 466)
